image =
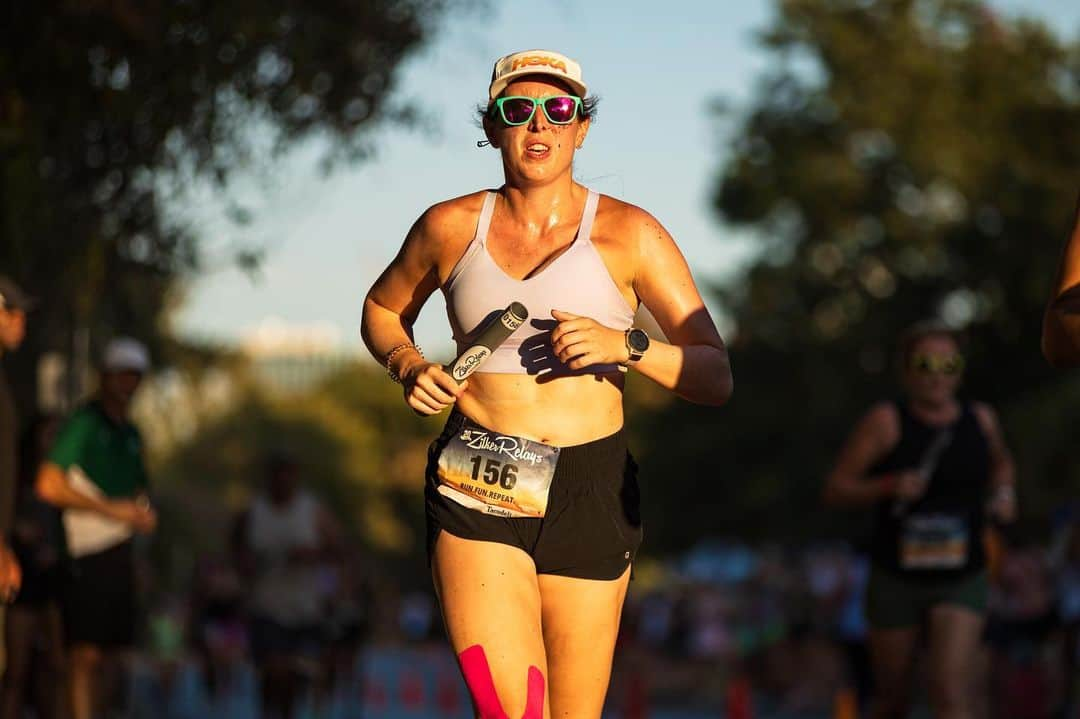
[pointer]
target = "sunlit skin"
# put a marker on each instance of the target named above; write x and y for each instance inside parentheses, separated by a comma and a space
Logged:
(490, 593)
(1061, 322)
(12, 329)
(954, 631)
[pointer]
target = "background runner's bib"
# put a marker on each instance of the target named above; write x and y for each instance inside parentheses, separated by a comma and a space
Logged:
(496, 473)
(934, 541)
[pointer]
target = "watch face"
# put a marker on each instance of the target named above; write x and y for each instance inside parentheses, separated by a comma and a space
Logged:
(638, 340)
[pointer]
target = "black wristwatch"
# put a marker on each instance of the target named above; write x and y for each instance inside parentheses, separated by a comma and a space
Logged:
(636, 343)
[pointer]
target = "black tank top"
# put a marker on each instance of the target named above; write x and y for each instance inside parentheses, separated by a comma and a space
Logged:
(940, 535)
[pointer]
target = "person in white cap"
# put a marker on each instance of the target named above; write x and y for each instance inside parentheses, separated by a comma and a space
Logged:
(96, 474)
(532, 503)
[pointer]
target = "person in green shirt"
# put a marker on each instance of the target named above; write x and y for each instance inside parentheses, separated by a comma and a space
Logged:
(95, 473)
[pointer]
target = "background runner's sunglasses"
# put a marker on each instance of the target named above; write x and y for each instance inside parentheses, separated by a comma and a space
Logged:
(930, 364)
(558, 109)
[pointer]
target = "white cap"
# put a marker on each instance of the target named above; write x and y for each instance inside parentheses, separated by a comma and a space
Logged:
(124, 354)
(535, 62)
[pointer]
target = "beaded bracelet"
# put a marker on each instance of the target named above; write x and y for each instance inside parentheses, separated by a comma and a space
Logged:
(394, 376)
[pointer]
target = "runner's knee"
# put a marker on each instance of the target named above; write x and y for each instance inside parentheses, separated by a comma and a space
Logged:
(481, 685)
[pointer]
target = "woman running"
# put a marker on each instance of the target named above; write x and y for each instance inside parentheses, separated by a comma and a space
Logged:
(531, 495)
(931, 465)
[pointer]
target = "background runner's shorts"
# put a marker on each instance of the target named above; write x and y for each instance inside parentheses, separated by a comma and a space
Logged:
(894, 601)
(592, 526)
(99, 599)
(270, 638)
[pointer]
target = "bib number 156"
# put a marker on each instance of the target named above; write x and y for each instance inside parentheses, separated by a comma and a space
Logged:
(494, 472)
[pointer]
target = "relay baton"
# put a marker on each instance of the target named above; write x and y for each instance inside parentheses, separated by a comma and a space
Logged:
(490, 336)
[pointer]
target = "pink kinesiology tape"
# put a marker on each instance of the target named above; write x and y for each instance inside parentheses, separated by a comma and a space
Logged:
(534, 702)
(477, 672)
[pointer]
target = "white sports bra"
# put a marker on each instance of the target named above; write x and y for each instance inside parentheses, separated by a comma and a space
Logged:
(576, 281)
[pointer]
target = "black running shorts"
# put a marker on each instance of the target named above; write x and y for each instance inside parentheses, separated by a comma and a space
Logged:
(591, 528)
(99, 599)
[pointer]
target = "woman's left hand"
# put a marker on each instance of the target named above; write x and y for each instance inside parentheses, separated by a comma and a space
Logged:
(579, 342)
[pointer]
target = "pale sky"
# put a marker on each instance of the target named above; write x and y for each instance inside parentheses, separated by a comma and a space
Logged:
(328, 238)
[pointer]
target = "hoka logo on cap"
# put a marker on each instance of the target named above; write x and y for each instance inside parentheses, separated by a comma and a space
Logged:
(552, 62)
(536, 62)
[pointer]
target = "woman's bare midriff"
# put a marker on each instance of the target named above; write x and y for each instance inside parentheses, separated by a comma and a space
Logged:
(560, 412)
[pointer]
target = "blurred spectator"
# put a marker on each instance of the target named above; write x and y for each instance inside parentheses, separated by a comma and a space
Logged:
(417, 616)
(346, 623)
(655, 620)
(14, 303)
(219, 630)
(852, 629)
(286, 539)
(33, 633)
(166, 646)
(1068, 606)
(95, 472)
(1022, 620)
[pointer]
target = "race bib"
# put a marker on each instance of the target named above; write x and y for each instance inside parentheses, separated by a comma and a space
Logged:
(934, 541)
(496, 473)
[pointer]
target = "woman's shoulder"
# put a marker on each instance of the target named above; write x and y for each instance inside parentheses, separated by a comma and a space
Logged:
(615, 212)
(985, 415)
(882, 417)
(85, 416)
(458, 207)
(630, 226)
(449, 217)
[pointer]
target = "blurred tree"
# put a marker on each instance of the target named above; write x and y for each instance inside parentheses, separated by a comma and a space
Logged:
(98, 98)
(903, 159)
(359, 448)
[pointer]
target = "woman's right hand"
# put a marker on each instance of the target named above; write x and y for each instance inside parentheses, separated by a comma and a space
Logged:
(429, 389)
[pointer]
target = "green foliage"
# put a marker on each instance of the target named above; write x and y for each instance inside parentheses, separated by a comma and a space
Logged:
(359, 447)
(97, 99)
(903, 159)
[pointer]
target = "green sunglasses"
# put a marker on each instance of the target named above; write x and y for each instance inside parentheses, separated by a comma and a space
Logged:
(934, 364)
(558, 109)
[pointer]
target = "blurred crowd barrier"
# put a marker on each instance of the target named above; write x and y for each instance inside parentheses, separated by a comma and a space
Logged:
(419, 682)
(726, 630)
